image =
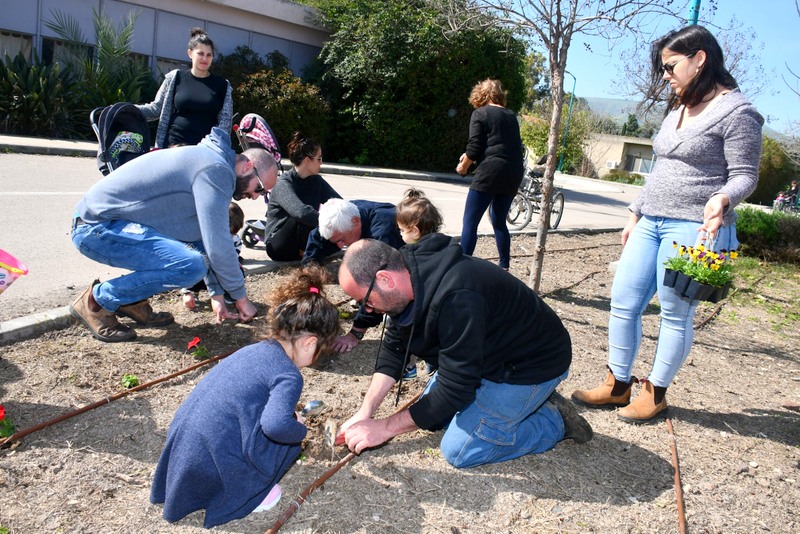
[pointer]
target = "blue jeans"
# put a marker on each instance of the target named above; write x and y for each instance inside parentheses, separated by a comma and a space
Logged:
(159, 263)
(505, 421)
(477, 202)
(640, 274)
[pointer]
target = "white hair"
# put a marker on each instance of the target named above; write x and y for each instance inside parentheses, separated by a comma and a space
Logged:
(336, 215)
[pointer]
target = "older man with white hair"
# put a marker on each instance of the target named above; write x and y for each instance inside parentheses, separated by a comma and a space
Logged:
(342, 223)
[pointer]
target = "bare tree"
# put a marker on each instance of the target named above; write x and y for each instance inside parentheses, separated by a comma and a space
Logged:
(553, 23)
(791, 141)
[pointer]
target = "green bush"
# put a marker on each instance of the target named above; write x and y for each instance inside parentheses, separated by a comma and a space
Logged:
(775, 171)
(34, 100)
(286, 103)
(399, 85)
(624, 177)
(769, 235)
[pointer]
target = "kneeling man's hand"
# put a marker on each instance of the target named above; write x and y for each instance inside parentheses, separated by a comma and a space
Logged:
(221, 310)
(247, 309)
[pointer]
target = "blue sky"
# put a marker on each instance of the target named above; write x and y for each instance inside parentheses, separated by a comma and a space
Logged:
(775, 22)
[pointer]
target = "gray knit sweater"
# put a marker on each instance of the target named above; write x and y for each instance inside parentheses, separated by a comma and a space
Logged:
(717, 153)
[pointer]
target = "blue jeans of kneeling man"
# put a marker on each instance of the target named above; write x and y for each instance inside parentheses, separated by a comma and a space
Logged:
(505, 421)
(159, 263)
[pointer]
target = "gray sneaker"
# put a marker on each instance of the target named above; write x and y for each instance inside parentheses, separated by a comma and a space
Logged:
(575, 426)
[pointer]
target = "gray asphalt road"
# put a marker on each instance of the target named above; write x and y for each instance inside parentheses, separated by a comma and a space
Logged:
(38, 194)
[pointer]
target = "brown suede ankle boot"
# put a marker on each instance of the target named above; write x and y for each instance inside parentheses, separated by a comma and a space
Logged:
(103, 324)
(610, 394)
(646, 406)
(143, 314)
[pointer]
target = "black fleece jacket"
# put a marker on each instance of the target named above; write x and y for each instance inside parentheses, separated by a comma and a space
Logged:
(474, 321)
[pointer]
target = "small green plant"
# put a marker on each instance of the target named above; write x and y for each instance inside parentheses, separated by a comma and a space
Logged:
(130, 381)
(4, 530)
(703, 265)
(197, 350)
(6, 425)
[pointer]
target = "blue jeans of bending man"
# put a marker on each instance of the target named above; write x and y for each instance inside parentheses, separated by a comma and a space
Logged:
(505, 421)
(640, 275)
(475, 207)
(159, 263)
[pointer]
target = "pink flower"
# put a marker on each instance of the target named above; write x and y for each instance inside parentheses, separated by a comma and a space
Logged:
(193, 343)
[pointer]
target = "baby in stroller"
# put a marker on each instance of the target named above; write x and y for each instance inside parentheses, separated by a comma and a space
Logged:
(787, 200)
(253, 131)
(122, 134)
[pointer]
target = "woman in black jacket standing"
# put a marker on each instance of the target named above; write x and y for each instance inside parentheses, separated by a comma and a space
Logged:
(495, 145)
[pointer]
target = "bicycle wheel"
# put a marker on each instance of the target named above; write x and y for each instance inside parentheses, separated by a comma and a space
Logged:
(556, 210)
(520, 213)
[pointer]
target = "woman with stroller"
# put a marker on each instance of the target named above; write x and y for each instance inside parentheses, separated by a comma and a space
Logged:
(293, 209)
(496, 145)
(190, 103)
(708, 151)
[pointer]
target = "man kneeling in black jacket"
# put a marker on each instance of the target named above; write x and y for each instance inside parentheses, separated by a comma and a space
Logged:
(499, 350)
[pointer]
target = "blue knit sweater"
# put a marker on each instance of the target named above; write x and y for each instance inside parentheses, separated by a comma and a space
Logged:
(233, 438)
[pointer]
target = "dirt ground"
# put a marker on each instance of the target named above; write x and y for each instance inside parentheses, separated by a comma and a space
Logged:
(735, 431)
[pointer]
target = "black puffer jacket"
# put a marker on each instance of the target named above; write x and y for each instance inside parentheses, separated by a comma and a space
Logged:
(474, 321)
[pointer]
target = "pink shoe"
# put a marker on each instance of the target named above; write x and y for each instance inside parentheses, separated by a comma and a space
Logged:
(270, 500)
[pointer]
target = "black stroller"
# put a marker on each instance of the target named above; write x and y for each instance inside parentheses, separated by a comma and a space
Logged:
(254, 132)
(122, 134)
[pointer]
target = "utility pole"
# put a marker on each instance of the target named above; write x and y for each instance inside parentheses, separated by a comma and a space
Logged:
(694, 12)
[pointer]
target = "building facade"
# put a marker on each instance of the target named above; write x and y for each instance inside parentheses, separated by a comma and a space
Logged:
(162, 27)
(608, 152)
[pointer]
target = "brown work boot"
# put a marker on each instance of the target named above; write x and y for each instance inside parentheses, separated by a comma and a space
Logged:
(102, 323)
(647, 405)
(611, 393)
(575, 426)
(143, 314)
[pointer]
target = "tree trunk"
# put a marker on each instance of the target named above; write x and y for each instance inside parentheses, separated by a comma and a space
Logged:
(557, 77)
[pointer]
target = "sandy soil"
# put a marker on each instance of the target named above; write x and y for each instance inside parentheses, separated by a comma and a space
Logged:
(731, 407)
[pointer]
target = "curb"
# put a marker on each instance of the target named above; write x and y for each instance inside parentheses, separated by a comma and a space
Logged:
(35, 324)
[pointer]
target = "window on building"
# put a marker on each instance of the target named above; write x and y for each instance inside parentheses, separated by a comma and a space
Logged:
(12, 43)
(164, 65)
(638, 164)
(54, 51)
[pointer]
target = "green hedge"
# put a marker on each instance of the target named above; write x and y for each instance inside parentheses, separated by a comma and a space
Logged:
(769, 235)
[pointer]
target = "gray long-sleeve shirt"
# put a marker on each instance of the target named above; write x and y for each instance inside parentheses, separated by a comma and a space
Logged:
(183, 193)
(719, 152)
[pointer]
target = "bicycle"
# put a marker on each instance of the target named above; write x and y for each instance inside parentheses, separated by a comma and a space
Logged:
(528, 199)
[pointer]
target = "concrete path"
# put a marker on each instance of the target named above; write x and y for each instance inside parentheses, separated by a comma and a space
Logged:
(42, 180)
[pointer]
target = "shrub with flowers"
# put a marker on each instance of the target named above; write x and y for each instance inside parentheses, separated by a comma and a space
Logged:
(6, 426)
(703, 265)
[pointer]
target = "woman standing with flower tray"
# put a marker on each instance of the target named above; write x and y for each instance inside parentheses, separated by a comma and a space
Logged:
(708, 152)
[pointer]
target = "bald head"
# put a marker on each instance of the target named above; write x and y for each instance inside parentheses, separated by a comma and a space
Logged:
(368, 262)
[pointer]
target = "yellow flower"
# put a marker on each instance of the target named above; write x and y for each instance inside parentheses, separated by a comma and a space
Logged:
(734, 254)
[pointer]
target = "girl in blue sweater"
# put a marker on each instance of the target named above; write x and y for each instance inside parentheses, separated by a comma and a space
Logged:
(237, 433)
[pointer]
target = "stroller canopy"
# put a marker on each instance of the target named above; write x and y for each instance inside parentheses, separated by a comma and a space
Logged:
(122, 134)
(253, 131)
